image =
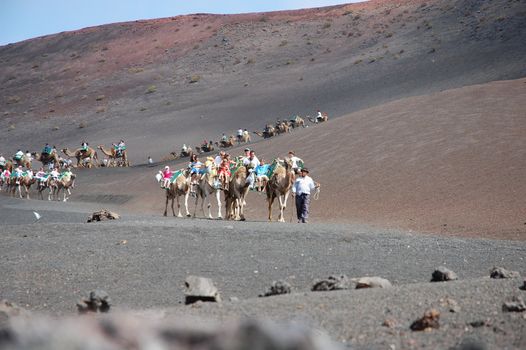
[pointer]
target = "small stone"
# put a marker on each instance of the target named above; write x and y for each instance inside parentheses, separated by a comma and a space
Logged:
(200, 288)
(443, 274)
(500, 272)
(428, 321)
(523, 287)
(371, 282)
(277, 288)
(478, 323)
(450, 304)
(516, 304)
(331, 283)
(389, 323)
(234, 299)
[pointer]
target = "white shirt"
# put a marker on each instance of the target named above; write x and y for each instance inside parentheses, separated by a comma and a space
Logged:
(295, 161)
(218, 159)
(240, 132)
(253, 163)
(303, 185)
(2, 160)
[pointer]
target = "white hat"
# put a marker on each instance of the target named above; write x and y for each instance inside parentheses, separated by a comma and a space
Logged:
(167, 167)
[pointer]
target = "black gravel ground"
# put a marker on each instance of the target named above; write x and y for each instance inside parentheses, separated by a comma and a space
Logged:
(142, 262)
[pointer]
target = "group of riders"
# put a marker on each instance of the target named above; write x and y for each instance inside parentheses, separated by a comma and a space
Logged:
(12, 172)
(222, 166)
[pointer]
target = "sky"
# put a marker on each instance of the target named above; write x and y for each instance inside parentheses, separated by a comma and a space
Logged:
(25, 19)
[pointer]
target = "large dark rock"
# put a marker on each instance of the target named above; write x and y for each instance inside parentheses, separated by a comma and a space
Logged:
(277, 288)
(371, 282)
(429, 320)
(443, 274)
(515, 304)
(200, 289)
(331, 283)
(500, 272)
(102, 215)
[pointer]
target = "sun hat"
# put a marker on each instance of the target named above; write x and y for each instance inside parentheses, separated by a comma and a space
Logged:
(305, 170)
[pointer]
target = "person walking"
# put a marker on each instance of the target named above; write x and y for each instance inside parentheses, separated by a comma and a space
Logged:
(301, 191)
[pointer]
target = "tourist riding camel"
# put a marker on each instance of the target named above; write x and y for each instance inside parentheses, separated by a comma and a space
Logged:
(22, 159)
(117, 154)
(230, 142)
(178, 186)
(85, 157)
(47, 158)
(320, 117)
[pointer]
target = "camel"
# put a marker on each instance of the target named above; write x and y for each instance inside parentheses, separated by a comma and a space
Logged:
(24, 181)
(89, 156)
(64, 183)
(8, 165)
(205, 189)
(282, 128)
(267, 133)
(228, 143)
(115, 159)
(235, 194)
(244, 138)
(47, 159)
(324, 117)
(204, 148)
(297, 122)
(25, 162)
(45, 185)
(279, 186)
(180, 187)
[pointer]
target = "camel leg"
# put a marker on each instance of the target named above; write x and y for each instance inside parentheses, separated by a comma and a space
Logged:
(282, 205)
(196, 200)
(27, 192)
(166, 205)
(270, 201)
(173, 211)
(218, 199)
(186, 195)
(178, 206)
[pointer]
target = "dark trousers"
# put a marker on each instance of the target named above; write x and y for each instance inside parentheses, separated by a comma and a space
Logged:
(302, 206)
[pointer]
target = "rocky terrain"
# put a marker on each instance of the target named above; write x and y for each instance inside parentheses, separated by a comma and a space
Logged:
(422, 164)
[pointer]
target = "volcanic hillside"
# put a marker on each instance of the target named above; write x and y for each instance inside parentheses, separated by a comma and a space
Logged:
(414, 144)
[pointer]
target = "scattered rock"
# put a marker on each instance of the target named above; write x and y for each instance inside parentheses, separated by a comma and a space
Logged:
(389, 323)
(443, 274)
(277, 288)
(450, 304)
(479, 323)
(371, 282)
(428, 321)
(500, 272)
(523, 287)
(102, 215)
(516, 304)
(331, 283)
(200, 289)
(98, 301)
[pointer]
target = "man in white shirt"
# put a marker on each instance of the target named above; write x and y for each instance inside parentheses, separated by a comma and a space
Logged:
(252, 162)
(240, 135)
(301, 190)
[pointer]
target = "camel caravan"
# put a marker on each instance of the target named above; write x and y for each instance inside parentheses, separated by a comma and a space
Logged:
(234, 178)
